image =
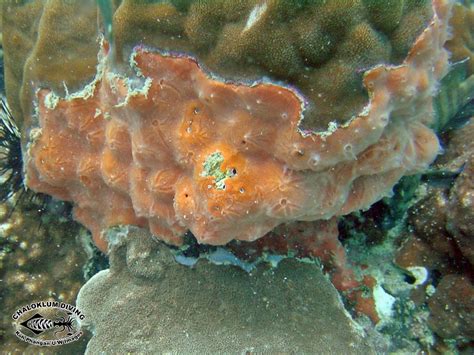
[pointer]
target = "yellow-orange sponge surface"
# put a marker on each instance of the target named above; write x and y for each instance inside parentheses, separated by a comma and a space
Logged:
(175, 149)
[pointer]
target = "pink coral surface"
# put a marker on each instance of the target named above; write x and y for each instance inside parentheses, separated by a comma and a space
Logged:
(173, 148)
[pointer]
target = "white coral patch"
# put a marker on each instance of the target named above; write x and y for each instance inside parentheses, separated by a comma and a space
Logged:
(383, 302)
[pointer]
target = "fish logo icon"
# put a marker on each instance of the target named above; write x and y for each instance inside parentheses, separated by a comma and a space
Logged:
(38, 324)
(48, 323)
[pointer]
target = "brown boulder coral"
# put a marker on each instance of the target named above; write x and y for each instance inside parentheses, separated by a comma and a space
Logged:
(173, 149)
(212, 309)
(322, 47)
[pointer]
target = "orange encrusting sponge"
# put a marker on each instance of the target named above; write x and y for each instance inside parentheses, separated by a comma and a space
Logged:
(175, 149)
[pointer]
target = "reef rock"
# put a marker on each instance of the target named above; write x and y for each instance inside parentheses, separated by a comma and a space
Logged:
(148, 303)
(441, 242)
(452, 308)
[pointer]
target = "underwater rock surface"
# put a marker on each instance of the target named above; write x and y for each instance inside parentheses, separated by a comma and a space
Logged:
(147, 303)
(441, 240)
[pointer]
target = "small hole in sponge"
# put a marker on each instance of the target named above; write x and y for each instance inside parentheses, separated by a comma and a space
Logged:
(298, 153)
(314, 160)
(409, 279)
(283, 201)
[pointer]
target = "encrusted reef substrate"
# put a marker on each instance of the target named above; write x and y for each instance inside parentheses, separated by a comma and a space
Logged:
(147, 302)
(422, 259)
(172, 149)
(441, 250)
(440, 242)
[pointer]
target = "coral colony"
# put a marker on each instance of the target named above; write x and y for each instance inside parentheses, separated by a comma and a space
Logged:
(244, 123)
(259, 134)
(173, 149)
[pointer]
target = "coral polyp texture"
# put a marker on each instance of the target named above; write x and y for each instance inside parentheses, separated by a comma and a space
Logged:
(173, 148)
(322, 47)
